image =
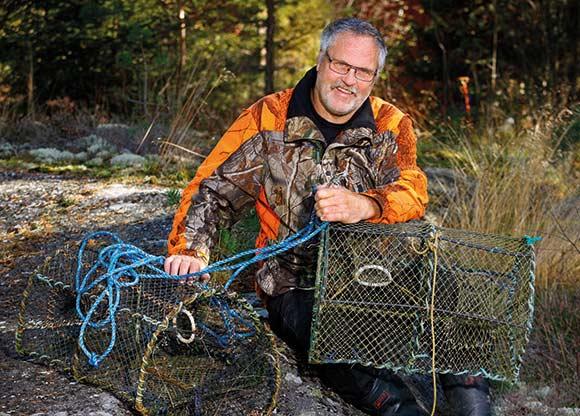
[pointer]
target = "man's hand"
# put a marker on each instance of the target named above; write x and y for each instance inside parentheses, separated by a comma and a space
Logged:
(338, 204)
(180, 264)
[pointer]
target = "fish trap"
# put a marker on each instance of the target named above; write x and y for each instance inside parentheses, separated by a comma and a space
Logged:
(177, 349)
(417, 298)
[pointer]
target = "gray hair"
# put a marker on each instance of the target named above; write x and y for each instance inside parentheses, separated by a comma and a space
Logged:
(358, 27)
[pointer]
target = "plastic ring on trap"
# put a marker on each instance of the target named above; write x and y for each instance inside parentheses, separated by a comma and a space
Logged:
(192, 328)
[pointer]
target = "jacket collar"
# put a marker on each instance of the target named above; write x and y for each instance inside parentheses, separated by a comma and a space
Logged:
(300, 127)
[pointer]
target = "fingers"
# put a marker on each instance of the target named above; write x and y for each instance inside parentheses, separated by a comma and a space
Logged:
(331, 203)
(338, 204)
(327, 191)
(182, 265)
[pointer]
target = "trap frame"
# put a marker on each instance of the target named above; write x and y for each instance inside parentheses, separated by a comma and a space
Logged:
(414, 297)
(178, 349)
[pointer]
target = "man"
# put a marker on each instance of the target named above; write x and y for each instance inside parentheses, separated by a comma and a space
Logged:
(328, 134)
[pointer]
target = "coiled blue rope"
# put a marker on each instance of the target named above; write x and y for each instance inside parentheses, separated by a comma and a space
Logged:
(121, 262)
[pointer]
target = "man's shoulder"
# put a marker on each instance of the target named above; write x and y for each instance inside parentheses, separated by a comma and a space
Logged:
(269, 112)
(386, 115)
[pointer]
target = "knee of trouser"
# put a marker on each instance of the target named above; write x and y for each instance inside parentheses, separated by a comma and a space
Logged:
(467, 395)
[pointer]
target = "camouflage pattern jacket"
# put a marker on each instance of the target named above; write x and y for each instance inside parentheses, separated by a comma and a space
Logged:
(273, 161)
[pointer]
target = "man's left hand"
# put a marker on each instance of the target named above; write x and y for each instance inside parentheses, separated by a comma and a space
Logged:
(338, 204)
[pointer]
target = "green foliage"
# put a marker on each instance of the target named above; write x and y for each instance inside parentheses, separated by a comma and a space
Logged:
(125, 56)
(240, 237)
(298, 28)
(173, 197)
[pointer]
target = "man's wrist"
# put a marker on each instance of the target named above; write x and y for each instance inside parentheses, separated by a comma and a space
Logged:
(373, 210)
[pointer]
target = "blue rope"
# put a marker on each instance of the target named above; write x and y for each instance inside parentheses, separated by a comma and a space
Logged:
(121, 262)
(531, 240)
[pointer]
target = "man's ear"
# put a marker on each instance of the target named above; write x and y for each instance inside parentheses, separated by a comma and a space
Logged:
(319, 60)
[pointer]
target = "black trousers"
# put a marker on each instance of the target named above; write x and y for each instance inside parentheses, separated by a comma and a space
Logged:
(376, 391)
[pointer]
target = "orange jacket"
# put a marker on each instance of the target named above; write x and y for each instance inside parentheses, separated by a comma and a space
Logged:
(271, 161)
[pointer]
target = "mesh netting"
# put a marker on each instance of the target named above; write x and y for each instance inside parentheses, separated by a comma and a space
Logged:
(374, 295)
(177, 349)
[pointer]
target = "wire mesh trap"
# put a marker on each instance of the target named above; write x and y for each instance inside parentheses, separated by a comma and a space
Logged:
(177, 349)
(378, 284)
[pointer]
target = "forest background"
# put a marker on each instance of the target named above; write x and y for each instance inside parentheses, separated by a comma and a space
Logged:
(493, 87)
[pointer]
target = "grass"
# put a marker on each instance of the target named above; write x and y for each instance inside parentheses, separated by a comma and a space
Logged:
(525, 182)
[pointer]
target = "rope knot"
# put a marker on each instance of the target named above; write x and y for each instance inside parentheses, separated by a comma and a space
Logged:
(94, 360)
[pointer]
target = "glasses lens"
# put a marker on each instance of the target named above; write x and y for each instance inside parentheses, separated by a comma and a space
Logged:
(364, 75)
(339, 67)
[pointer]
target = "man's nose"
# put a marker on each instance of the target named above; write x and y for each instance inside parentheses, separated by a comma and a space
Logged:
(349, 78)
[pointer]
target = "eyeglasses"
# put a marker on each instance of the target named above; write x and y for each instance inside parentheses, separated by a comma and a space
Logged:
(342, 68)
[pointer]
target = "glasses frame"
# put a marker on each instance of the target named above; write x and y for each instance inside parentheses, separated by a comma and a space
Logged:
(349, 66)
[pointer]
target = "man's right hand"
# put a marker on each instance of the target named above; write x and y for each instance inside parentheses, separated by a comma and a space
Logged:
(180, 264)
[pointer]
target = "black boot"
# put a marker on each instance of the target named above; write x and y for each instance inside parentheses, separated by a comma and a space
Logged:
(467, 395)
(390, 398)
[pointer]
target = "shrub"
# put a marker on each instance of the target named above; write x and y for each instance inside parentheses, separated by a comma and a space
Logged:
(128, 159)
(51, 155)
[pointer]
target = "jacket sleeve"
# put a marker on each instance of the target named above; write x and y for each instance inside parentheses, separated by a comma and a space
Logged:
(405, 198)
(225, 184)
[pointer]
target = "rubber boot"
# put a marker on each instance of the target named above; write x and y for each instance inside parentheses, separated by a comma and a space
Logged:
(467, 395)
(388, 398)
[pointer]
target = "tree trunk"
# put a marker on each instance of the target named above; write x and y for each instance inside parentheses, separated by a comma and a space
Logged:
(574, 16)
(181, 59)
(270, 31)
(30, 81)
(145, 83)
(494, 49)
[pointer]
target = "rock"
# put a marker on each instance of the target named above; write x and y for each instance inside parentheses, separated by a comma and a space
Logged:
(543, 392)
(293, 378)
(536, 406)
(124, 207)
(331, 402)
(568, 411)
(120, 192)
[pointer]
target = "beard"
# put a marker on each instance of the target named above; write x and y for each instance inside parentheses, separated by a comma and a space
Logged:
(341, 107)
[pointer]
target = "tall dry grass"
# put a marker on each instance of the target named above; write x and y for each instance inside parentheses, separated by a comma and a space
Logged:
(524, 182)
(184, 142)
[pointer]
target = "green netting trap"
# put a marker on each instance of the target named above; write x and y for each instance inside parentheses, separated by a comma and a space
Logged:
(177, 350)
(385, 294)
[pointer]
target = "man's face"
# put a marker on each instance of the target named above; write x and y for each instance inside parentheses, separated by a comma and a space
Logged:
(336, 97)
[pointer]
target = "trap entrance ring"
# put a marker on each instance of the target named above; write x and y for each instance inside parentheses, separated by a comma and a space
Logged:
(192, 327)
(220, 371)
(483, 299)
(377, 282)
